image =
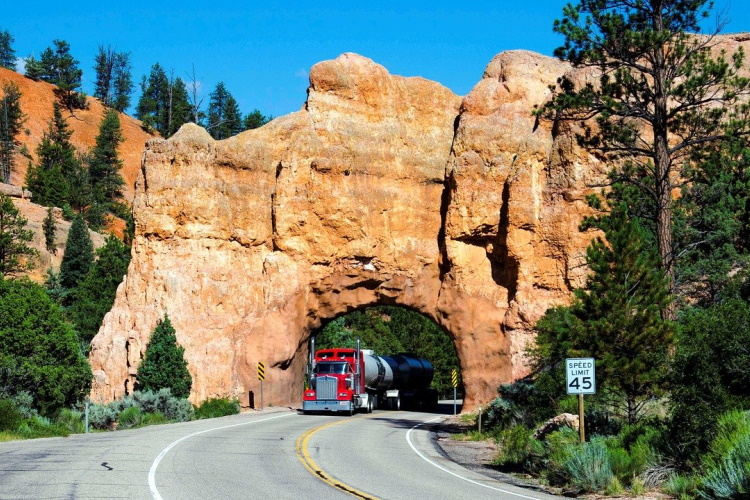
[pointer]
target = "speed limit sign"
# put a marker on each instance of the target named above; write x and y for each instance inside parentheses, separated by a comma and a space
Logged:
(581, 375)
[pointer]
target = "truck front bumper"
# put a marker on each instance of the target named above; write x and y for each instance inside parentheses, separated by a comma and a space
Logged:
(326, 405)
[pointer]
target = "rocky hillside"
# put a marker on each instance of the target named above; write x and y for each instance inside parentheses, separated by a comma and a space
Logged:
(36, 103)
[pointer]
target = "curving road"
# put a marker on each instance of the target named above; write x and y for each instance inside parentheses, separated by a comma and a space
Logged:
(275, 454)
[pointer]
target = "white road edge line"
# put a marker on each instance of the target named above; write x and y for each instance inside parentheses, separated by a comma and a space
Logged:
(408, 440)
(152, 471)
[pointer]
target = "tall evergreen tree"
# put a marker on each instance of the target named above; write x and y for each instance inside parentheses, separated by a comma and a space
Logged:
(48, 226)
(57, 162)
(616, 318)
(11, 120)
(224, 117)
(60, 68)
(96, 293)
(661, 97)
(113, 78)
(164, 364)
(105, 164)
(14, 251)
(179, 107)
(79, 254)
(163, 105)
(7, 54)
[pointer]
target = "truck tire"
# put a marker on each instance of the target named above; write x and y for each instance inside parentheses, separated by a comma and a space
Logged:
(369, 405)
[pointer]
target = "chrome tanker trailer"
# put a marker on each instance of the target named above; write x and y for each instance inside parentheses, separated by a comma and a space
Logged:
(348, 380)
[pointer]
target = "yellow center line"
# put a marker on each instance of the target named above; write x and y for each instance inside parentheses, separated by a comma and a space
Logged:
(303, 455)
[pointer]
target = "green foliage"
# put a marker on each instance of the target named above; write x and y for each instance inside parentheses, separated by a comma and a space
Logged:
(141, 408)
(164, 365)
(681, 487)
(256, 119)
(105, 163)
(14, 251)
(589, 467)
(10, 417)
(616, 318)
(58, 67)
(224, 117)
(113, 84)
(217, 407)
(7, 54)
(71, 420)
(163, 105)
(709, 372)
(130, 417)
(391, 330)
(712, 223)
(79, 254)
(727, 463)
(11, 120)
(661, 97)
(51, 178)
(39, 350)
(518, 448)
(94, 296)
(48, 226)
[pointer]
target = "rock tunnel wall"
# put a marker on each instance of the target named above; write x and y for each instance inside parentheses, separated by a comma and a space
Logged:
(381, 190)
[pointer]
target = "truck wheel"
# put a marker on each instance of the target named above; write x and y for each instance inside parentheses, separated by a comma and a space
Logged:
(397, 404)
(369, 405)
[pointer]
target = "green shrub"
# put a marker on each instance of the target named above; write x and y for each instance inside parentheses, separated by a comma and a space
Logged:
(614, 487)
(72, 420)
(40, 427)
(559, 446)
(129, 418)
(164, 364)
(217, 407)
(515, 446)
(10, 417)
(154, 419)
(588, 466)
(727, 464)
(637, 486)
(102, 416)
(681, 487)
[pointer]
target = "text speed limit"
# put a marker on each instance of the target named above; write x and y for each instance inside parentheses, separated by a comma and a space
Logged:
(581, 375)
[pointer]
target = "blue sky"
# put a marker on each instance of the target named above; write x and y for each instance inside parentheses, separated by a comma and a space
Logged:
(262, 51)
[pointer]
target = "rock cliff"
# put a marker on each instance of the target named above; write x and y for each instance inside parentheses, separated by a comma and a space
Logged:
(381, 190)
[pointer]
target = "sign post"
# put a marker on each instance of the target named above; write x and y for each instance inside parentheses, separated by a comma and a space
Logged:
(580, 379)
(261, 377)
(454, 380)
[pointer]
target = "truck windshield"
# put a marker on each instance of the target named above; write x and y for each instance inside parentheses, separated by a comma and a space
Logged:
(330, 368)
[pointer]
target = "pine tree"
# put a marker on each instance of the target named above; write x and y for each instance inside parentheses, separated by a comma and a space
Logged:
(48, 180)
(224, 117)
(11, 120)
(105, 164)
(14, 251)
(79, 254)
(48, 226)
(96, 293)
(164, 364)
(113, 79)
(7, 54)
(661, 97)
(58, 67)
(122, 82)
(256, 119)
(616, 318)
(151, 109)
(179, 107)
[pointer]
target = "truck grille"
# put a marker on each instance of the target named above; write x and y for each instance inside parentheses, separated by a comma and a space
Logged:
(326, 387)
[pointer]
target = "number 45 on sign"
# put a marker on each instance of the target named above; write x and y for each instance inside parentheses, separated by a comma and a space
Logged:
(581, 375)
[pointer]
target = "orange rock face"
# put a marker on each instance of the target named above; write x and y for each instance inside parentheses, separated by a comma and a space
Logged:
(381, 190)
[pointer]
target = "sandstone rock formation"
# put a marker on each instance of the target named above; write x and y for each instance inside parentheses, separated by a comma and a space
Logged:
(381, 190)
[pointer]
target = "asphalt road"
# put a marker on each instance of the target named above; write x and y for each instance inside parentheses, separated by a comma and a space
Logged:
(277, 454)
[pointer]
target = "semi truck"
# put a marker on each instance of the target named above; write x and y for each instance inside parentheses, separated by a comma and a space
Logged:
(350, 380)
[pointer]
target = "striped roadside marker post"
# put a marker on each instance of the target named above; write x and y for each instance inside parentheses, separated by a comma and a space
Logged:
(261, 377)
(454, 380)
